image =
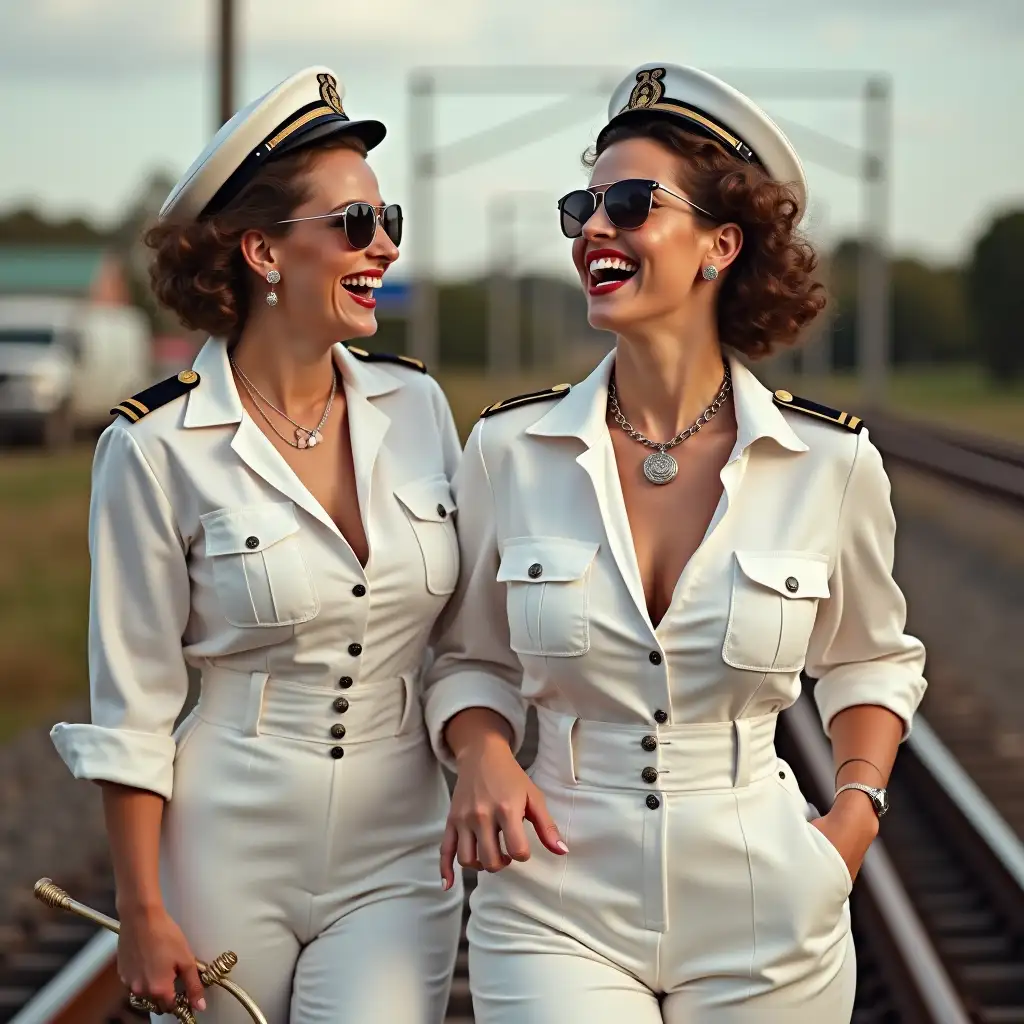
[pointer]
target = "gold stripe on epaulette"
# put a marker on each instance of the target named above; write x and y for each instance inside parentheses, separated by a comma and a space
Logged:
(130, 413)
(412, 361)
(517, 400)
(138, 405)
(297, 124)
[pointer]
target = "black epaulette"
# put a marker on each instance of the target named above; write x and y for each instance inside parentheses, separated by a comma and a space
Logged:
(533, 396)
(784, 400)
(387, 357)
(134, 408)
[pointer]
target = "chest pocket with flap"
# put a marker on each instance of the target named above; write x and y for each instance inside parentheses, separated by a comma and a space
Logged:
(430, 508)
(774, 602)
(259, 570)
(548, 594)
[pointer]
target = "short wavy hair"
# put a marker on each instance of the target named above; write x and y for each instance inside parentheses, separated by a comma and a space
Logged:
(770, 293)
(198, 271)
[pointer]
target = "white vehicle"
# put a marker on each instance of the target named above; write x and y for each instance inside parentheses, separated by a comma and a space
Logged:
(64, 363)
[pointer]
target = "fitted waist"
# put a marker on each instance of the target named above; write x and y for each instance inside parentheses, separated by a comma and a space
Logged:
(706, 755)
(256, 703)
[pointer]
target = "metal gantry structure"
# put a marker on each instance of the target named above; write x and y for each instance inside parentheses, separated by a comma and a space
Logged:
(578, 90)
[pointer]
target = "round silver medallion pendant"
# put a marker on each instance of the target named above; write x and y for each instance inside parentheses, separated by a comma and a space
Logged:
(660, 468)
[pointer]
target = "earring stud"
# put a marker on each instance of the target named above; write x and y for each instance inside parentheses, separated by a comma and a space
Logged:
(710, 272)
(273, 276)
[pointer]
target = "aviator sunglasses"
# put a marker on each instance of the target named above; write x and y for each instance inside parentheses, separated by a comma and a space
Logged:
(627, 204)
(359, 221)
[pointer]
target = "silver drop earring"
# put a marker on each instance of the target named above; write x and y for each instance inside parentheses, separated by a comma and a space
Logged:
(710, 272)
(273, 276)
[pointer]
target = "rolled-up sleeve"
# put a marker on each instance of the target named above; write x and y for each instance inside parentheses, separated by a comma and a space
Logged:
(474, 665)
(859, 652)
(139, 607)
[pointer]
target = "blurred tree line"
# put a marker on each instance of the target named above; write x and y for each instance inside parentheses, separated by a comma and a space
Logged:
(972, 313)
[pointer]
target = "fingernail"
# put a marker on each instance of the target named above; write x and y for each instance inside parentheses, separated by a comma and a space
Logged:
(562, 846)
(444, 884)
(200, 1004)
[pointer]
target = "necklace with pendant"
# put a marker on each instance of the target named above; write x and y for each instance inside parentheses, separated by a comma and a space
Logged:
(659, 466)
(304, 437)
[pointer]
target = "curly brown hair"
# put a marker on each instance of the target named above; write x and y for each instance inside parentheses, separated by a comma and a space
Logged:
(198, 270)
(769, 294)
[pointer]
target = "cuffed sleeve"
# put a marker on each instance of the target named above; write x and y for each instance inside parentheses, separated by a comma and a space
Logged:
(474, 665)
(859, 652)
(139, 607)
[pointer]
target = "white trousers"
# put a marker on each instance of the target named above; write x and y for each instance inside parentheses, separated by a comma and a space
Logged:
(699, 894)
(319, 872)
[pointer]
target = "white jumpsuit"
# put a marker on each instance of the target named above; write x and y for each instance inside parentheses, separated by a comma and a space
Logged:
(695, 888)
(305, 804)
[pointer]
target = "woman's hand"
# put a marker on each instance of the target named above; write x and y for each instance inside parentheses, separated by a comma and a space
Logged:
(850, 826)
(152, 952)
(493, 795)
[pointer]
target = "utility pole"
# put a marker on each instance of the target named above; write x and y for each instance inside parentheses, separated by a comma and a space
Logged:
(503, 300)
(424, 334)
(225, 60)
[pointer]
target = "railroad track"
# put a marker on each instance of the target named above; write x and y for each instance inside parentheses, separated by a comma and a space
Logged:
(938, 909)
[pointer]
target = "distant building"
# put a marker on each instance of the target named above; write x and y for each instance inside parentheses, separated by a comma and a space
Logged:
(92, 273)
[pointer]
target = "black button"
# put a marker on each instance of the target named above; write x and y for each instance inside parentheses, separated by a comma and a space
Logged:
(661, 717)
(792, 584)
(649, 775)
(653, 802)
(345, 682)
(355, 650)
(359, 590)
(649, 743)
(341, 705)
(655, 657)
(442, 511)
(338, 731)
(252, 542)
(535, 570)
(782, 775)
(337, 752)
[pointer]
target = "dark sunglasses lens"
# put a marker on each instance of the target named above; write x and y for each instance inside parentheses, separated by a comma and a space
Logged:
(393, 223)
(576, 209)
(628, 203)
(360, 225)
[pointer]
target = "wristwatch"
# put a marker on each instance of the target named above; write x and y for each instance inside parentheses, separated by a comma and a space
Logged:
(879, 797)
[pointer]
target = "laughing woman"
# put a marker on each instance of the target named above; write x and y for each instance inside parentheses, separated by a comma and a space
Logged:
(279, 519)
(651, 558)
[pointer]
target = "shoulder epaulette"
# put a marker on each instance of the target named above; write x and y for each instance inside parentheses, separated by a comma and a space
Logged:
(134, 408)
(387, 357)
(784, 400)
(533, 396)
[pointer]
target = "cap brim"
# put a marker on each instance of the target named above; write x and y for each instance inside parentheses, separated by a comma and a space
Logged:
(370, 133)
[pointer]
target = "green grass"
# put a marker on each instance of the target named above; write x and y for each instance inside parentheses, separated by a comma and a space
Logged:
(44, 499)
(957, 397)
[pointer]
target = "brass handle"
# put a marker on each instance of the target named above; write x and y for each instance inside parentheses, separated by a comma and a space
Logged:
(213, 973)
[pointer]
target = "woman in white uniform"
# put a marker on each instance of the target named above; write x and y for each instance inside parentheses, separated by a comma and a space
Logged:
(280, 519)
(650, 558)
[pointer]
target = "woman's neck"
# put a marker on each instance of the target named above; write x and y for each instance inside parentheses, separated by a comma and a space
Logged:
(666, 378)
(284, 365)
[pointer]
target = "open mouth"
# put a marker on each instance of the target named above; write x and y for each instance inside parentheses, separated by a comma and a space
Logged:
(609, 270)
(361, 286)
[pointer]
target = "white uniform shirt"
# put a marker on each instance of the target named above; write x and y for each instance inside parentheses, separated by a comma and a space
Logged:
(795, 570)
(207, 549)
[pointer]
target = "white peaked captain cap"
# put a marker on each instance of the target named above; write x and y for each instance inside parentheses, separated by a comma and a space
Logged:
(303, 109)
(707, 106)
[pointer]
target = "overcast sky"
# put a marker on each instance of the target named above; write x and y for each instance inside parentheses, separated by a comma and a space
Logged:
(95, 94)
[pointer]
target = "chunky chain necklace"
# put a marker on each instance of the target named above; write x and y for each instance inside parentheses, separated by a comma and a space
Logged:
(304, 437)
(659, 466)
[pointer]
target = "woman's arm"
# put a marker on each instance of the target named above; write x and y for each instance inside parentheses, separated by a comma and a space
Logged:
(869, 672)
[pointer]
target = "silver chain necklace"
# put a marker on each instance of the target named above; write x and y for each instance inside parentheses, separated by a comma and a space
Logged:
(304, 437)
(659, 466)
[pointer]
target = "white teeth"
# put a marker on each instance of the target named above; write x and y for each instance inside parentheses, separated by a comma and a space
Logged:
(362, 282)
(612, 264)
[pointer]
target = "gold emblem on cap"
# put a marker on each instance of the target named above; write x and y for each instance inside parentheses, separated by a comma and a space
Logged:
(329, 92)
(648, 89)
(188, 376)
